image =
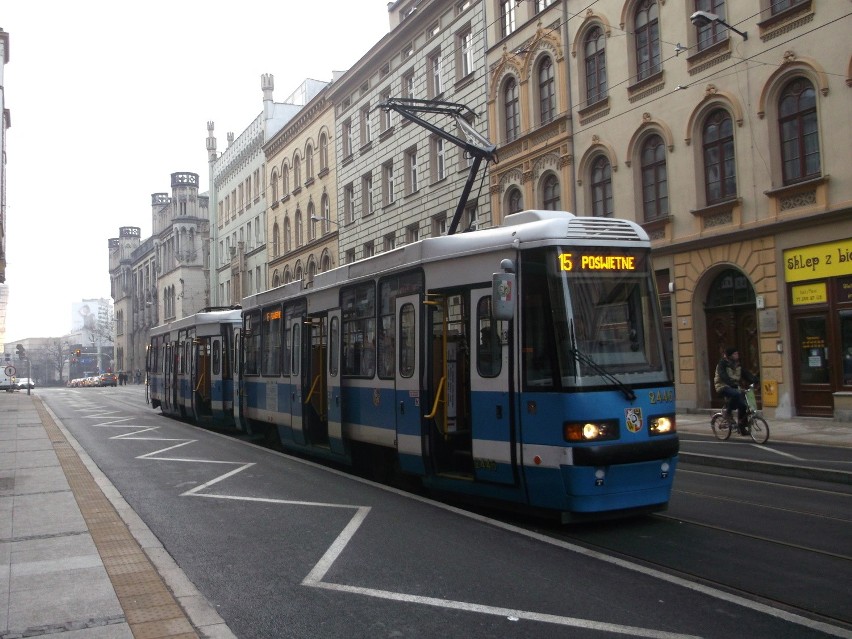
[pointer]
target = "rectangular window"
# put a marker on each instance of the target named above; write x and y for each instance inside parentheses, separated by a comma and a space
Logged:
(408, 85)
(389, 242)
(439, 225)
(366, 130)
(412, 234)
(350, 256)
(439, 159)
(411, 175)
(369, 249)
(388, 195)
(465, 48)
(507, 17)
(347, 138)
(436, 86)
(385, 122)
(358, 309)
(367, 195)
(349, 203)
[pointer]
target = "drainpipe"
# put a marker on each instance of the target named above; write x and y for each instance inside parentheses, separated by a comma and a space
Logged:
(567, 57)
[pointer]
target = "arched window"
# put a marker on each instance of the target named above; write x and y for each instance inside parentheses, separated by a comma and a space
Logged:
(655, 187)
(797, 121)
(312, 222)
(299, 236)
(511, 109)
(276, 240)
(515, 200)
(309, 162)
(274, 180)
(326, 213)
(712, 32)
(720, 178)
(285, 180)
(551, 197)
(312, 270)
(323, 151)
(276, 279)
(297, 172)
(647, 38)
(288, 243)
(326, 262)
(297, 275)
(595, 58)
(546, 91)
(602, 187)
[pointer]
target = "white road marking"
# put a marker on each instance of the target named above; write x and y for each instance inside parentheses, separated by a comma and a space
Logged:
(320, 569)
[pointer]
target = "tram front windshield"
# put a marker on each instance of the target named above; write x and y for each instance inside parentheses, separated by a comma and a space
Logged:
(590, 318)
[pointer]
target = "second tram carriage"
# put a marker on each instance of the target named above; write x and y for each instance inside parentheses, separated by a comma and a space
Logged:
(543, 385)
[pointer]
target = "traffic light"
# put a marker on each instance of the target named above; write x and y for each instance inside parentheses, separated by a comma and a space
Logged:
(22, 354)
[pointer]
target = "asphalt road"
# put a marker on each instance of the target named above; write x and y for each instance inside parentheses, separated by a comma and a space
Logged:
(282, 547)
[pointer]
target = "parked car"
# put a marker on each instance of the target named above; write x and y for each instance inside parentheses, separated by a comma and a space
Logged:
(108, 379)
(24, 382)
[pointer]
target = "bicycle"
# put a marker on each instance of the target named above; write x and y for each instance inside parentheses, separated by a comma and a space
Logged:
(755, 426)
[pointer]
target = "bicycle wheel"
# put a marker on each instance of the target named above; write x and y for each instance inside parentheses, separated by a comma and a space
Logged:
(721, 427)
(758, 429)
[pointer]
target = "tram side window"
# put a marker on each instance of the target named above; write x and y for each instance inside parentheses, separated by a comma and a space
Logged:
(489, 358)
(217, 356)
(358, 306)
(271, 329)
(252, 343)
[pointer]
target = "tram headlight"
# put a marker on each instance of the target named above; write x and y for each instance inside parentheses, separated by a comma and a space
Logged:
(590, 431)
(663, 425)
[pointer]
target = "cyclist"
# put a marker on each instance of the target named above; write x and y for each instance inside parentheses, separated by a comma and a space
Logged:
(729, 374)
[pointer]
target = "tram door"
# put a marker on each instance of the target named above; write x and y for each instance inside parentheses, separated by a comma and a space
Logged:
(314, 381)
(449, 419)
(296, 381)
(334, 426)
(237, 376)
(200, 378)
(170, 377)
(493, 447)
(409, 376)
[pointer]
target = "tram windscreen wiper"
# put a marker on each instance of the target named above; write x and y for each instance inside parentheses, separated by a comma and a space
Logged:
(600, 370)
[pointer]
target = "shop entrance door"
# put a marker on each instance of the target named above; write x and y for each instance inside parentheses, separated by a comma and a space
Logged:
(812, 365)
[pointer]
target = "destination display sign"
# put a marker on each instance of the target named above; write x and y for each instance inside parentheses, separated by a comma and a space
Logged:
(583, 262)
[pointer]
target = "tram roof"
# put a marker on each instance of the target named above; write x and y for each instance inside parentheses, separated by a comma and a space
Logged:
(526, 227)
(223, 316)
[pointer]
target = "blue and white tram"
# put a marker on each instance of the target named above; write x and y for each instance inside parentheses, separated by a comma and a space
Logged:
(545, 386)
(190, 366)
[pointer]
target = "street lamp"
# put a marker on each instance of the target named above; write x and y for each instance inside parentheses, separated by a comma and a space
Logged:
(703, 18)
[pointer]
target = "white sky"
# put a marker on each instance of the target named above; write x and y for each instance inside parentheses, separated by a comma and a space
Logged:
(108, 99)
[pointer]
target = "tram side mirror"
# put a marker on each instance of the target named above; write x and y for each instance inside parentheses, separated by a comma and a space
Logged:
(503, 291)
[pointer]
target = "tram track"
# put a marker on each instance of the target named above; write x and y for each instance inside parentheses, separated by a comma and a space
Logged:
(843, 625)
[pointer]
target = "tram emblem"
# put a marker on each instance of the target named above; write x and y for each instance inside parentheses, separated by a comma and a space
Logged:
(633, 417)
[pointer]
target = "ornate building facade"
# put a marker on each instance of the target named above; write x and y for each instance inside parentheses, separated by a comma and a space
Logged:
(716, 136)
(163, 277)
